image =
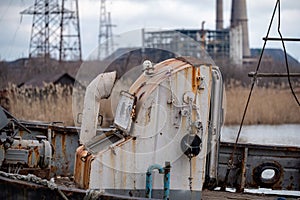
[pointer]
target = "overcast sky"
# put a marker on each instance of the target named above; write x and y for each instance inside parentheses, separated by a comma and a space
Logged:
(131, 15)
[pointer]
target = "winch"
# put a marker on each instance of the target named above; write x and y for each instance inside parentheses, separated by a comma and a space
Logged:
(16, 153)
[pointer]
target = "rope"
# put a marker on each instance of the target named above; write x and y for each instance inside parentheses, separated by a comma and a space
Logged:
(230, 161)
(93, 194)
(285, 56)
(90, 194)
(34, 179)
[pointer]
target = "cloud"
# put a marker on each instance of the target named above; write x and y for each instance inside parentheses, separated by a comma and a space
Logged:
(259, 16)
(136, 14)
(15, 30)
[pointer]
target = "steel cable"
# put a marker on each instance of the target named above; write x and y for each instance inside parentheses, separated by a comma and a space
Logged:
(285, 56)
(230, 161)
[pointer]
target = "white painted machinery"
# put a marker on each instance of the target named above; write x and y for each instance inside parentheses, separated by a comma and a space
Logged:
(165, 139)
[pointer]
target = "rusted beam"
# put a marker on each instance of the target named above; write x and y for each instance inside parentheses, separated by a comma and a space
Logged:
(244, 171)
(273, 75)
(15, 120)
(283, 160)
(284, 39)
(256, 146)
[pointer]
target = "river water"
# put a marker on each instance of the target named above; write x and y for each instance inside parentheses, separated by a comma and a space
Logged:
(273, 135)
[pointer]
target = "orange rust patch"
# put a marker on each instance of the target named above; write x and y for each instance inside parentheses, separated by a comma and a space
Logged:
(194, 80)
(30, 158)
(83, 167)
(21, 133)
(63, 144)
(36, 153)
(194, 169)
(127, 138)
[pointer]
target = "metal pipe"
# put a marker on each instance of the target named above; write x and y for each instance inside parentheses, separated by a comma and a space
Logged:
(149, 179)
(167, 177)
(216, 122)
(98, 89)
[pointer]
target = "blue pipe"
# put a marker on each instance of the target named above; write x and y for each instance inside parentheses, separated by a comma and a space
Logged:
(149, 179)
(167, 177)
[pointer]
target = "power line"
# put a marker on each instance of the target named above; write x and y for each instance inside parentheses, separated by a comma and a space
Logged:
(6, 9)
(14, 38)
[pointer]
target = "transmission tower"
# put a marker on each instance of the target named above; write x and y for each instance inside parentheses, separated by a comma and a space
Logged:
(105, 39)
(70, 44)
(51, 35)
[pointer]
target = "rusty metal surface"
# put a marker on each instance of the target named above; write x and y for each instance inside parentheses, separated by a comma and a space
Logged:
(22, 190)
(249, 163)
(64, 142)
(243, 170)
(57, 126)
(194, 61)
(83, 167)
(164, 116)
(139, 84)
(217, 195)
(285, 161)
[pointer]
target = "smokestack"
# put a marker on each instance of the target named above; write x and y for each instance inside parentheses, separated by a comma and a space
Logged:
(239, 17)
(219, 17)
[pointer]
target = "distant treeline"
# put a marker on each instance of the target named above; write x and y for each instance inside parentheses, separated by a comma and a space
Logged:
(272, 102)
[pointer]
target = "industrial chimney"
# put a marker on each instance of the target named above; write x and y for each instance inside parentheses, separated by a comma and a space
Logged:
(219, 17)
(239, 18)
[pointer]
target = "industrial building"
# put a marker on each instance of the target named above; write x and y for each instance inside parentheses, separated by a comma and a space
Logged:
(230, 43)
(56, 35)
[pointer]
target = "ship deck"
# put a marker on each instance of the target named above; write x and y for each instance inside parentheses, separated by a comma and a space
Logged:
(217, 195)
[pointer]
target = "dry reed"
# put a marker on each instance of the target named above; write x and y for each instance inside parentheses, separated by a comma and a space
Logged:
(272, 105)
(268, 105)
(52, 103)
